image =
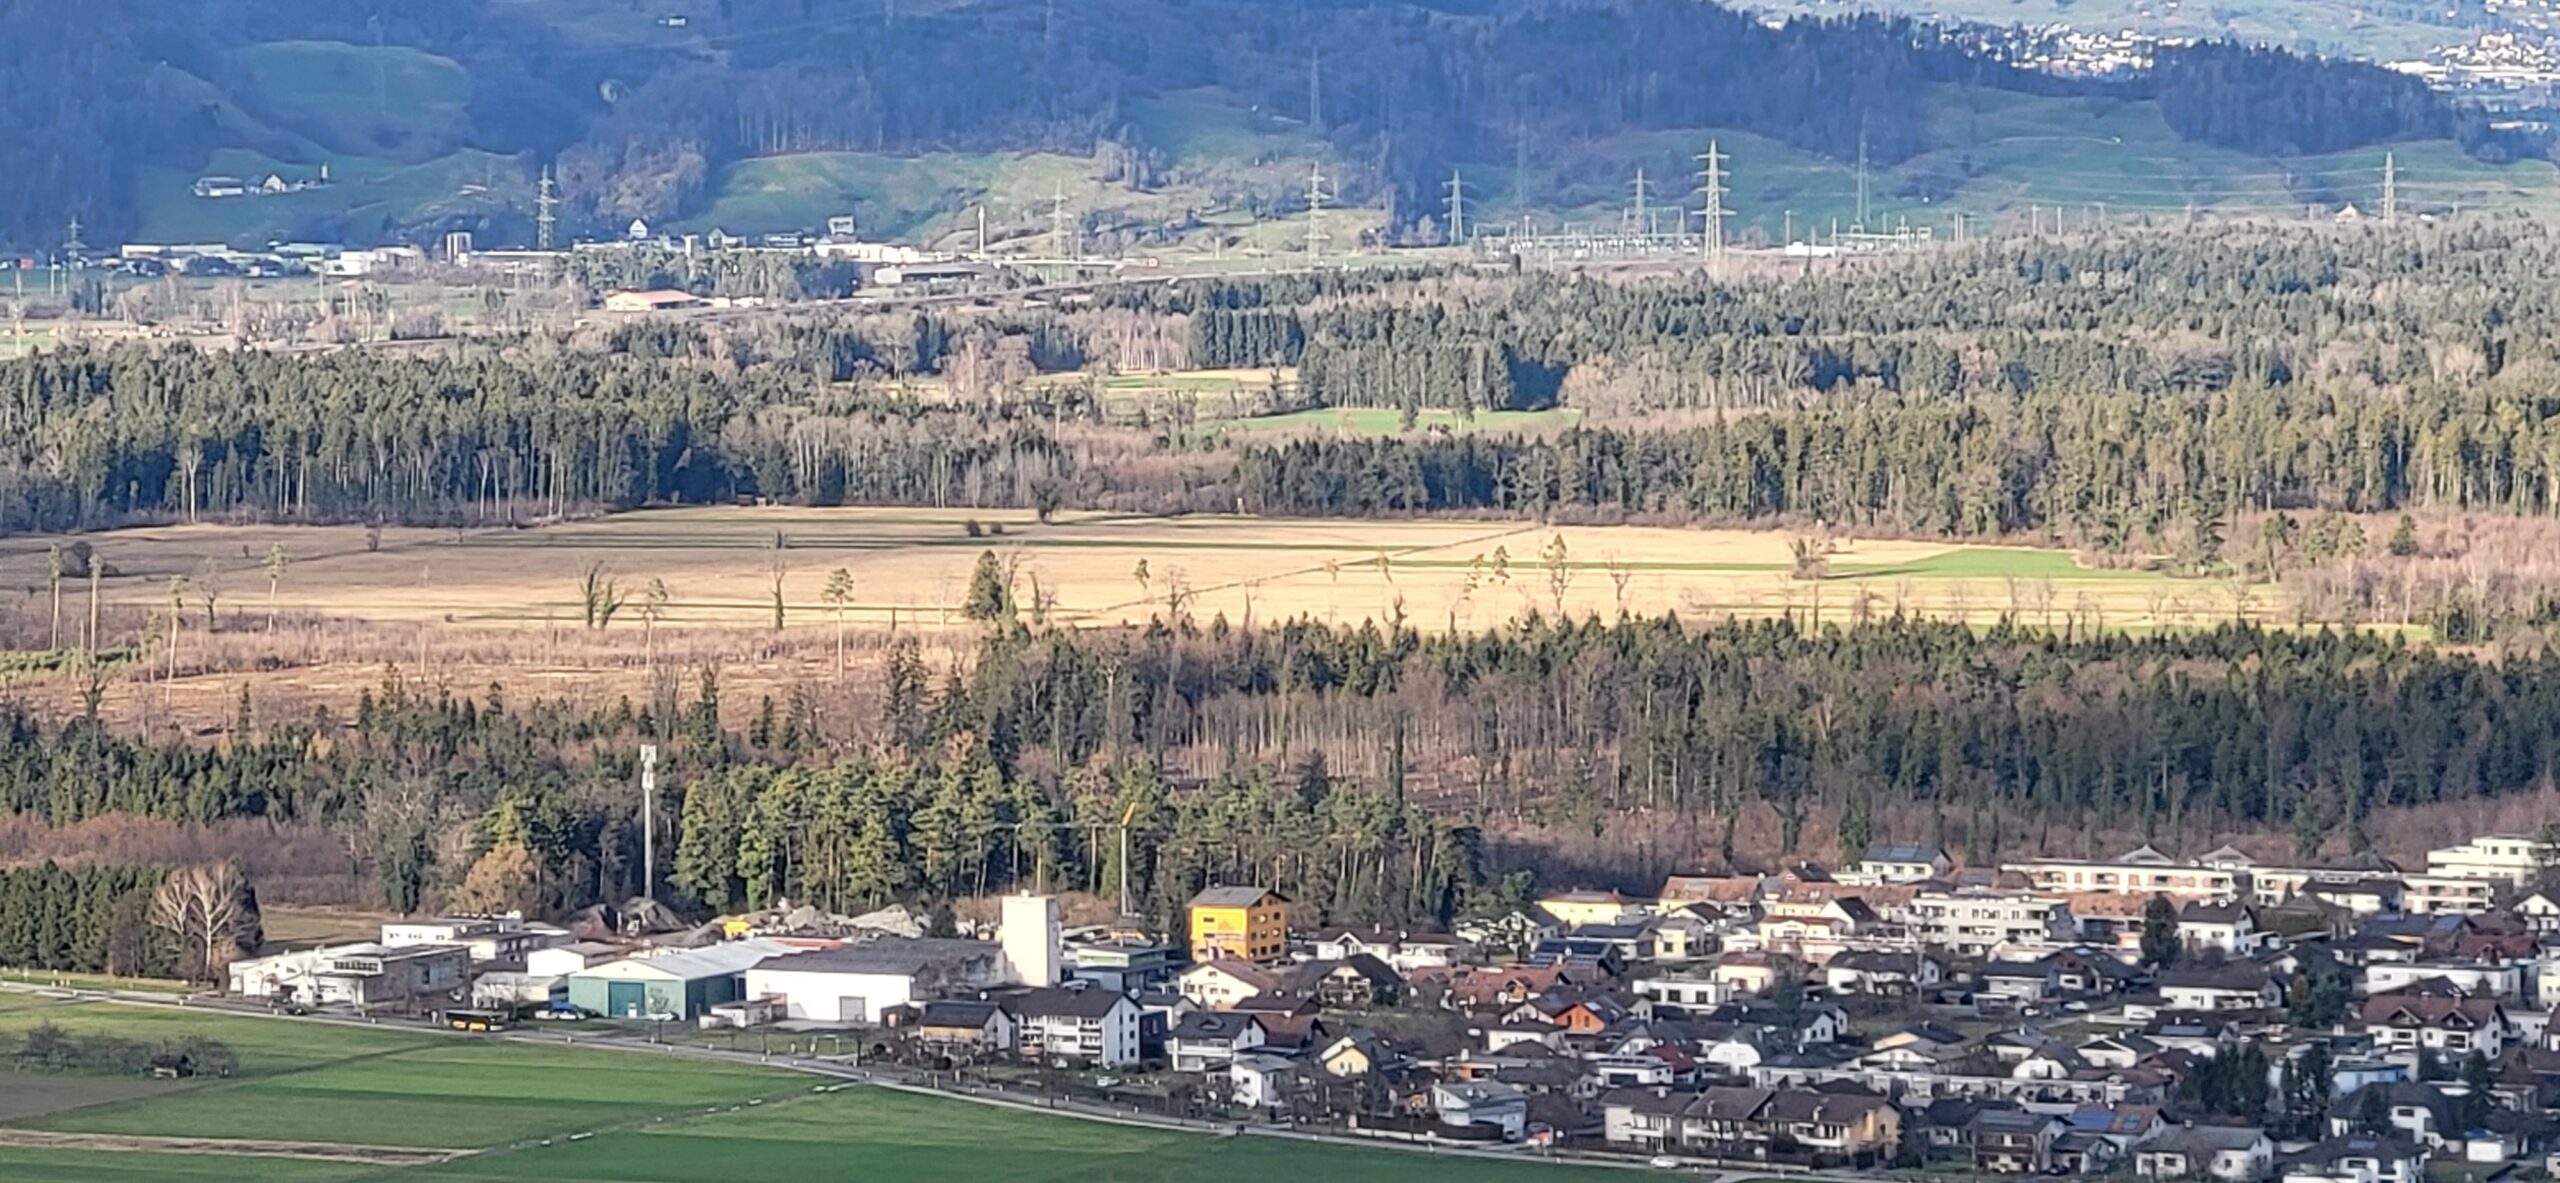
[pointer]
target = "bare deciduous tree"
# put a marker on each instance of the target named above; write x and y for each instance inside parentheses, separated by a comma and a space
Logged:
(211, 912)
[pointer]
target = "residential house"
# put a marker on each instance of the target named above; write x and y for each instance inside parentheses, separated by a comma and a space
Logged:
(1889, 863)
(1207, 1041)
(2539, 911)
(2420, 1113)
(965, 1029)
(1759, 1124)
(1223, 982)
(2359, 1159)
(1357, 982)
(1241, 923)
(2143, 871)
(1817, 926)
(1288, 1024)
(2021, 981)
(1750, 973)
(2500, 980)
(2233, 985)
(1688, 989)
(1260, 1081)
(1977, 923)
(1362, 1053)
(1076, 1025)
(1685, 933)
(2118, 1052)
(1482, 1103)
(2013, 1141)
(2229, 928)
(2448, 895)
(1573, 909)
(1890, 975)
(2448, 1026)
(2512, 858)
(2231, 1154)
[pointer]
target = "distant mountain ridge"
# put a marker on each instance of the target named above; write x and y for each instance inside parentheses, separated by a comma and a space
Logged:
(115, 102)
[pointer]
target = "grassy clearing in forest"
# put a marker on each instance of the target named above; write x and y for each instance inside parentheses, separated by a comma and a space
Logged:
(913, 565)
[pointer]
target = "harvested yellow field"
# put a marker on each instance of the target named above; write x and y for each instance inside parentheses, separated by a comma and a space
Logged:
(719, 567)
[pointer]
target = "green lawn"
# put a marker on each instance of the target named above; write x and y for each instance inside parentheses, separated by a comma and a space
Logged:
(450, 1093)
(876, 1134)
(21, 1165)
(267, 1047)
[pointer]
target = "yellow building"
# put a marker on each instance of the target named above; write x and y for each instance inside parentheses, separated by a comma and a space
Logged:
(1245, 923)
(1574, 909)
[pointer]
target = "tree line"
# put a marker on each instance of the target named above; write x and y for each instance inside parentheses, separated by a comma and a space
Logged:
(1358, 768)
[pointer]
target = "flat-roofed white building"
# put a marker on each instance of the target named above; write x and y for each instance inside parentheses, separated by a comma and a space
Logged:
(2142, 871)
(2513, 858)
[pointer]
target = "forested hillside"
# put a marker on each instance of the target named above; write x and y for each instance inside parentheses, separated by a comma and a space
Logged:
(640, 126)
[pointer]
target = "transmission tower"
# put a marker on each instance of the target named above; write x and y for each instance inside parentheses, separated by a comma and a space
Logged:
(546, 212)
(1862, 180)
(1711, 189)
(71, 244)
(1637, 223)
(1457, 208)
(1058, 244)
(1315, 212)
(2390, 188)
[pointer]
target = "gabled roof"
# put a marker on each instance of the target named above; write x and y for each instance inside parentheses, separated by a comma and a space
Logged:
(1883, 852)
(2233, 975)
(2430, 1010)
(2360, 1146)
(2204, 1141)
(1236, 897)
(1216, 1025)
(2145, 855)
(2204, 913)
(960, 1013)
(1063, 1003)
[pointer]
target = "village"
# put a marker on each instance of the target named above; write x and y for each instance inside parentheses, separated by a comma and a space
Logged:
(2212, 1016)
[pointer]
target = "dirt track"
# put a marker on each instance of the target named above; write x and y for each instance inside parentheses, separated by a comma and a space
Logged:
(388, 1156)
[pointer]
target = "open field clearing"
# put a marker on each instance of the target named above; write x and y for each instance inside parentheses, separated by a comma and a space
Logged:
(918, 1139)
(910, 567)
(465, 609)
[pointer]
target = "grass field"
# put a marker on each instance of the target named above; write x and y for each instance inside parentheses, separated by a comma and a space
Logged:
(20, 1164)
(327, 1089)
(476, 607)
(330, 1085)
(916, 1139)
(912, 564)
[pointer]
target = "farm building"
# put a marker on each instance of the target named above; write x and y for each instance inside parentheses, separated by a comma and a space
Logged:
(682, 984)
(856, 984)
(653, 301)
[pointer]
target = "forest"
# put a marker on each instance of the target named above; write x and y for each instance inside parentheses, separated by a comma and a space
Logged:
(1408, 87)
(1373, 773)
